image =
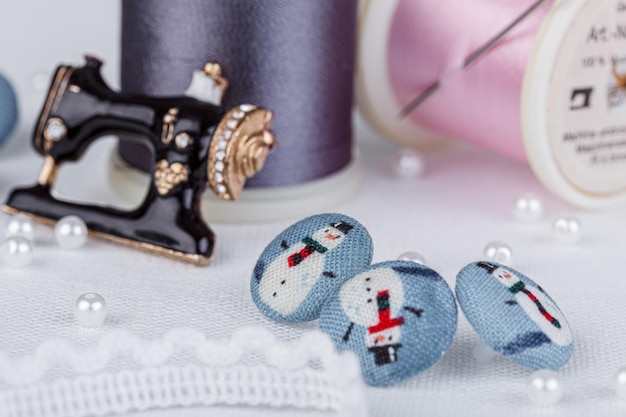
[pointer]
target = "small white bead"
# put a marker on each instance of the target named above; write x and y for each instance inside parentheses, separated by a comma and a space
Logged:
(412, 257)
(621, 383)
(544, 388)
(71, 232)
(17, 251)
(91, 310)
(21, 225)
(498, 252)
(528, 208)
(566, 229)
(409, 163)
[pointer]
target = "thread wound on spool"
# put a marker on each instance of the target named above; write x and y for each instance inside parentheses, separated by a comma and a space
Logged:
(481, 104)
(295, 58)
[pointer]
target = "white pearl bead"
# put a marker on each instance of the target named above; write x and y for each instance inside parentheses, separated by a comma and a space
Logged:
(544, 388)
(566, 229)
(621, 383)
(409, 163)
(17, 251)
(412, 257)
(21, 225)
(528, 208)
(91, 310)
(70, 232)
(498, 252)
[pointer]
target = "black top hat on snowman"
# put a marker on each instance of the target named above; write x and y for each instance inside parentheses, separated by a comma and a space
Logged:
(487, 266)
(343, 227)
(385, 354)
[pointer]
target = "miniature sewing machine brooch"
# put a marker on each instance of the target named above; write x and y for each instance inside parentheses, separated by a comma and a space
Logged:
(193, 142)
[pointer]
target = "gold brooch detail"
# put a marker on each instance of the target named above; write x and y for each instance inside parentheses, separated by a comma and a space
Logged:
(168, 176)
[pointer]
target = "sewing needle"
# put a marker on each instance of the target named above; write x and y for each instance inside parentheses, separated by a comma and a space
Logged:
(473, 57)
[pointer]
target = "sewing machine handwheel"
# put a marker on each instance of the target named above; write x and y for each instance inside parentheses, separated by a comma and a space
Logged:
(238, 149)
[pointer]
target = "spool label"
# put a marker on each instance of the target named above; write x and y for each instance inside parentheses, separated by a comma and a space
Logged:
(587, 100)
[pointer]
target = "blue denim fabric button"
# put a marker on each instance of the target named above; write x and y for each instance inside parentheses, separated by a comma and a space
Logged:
(399, 317)
(514, 315)
(306, 264)
(8, 109)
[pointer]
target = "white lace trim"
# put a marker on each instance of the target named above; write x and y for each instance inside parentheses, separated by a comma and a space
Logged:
(286, 379)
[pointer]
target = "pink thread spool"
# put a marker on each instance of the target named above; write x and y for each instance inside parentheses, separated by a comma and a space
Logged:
(546, 94)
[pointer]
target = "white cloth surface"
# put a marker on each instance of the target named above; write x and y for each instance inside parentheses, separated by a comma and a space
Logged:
(449, 215)
(462, 202)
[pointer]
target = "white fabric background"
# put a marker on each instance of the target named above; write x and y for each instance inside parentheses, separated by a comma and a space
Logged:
(463, 202)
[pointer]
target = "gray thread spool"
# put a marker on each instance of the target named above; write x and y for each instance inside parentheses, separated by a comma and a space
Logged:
(293, 57)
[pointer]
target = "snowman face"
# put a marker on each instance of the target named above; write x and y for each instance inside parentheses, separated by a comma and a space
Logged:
(358, 296)
(329, 237)
(507, 278)
(382, 338)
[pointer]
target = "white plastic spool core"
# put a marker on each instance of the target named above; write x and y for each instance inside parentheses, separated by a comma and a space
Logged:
(254, 204)
(574, 128)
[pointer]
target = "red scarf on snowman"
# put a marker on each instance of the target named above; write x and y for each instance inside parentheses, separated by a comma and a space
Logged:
(384, 314)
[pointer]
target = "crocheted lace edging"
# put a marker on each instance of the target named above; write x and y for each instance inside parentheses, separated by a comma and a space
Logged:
(286, 379)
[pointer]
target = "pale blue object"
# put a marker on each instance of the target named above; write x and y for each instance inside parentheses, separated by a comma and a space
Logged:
(306, 264)
(399, 317)
(514, 316)
(8, 110)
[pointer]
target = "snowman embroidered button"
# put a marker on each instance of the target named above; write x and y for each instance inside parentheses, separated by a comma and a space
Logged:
(514, 315)
(307, 263)
(399, 317)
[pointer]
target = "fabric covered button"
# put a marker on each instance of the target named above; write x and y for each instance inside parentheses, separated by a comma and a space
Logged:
(514, 315)
(306, 264)
(8, 109)
(399, 317)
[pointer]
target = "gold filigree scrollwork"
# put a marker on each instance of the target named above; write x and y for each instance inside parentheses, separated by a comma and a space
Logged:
(238, 149)
(167, 176)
